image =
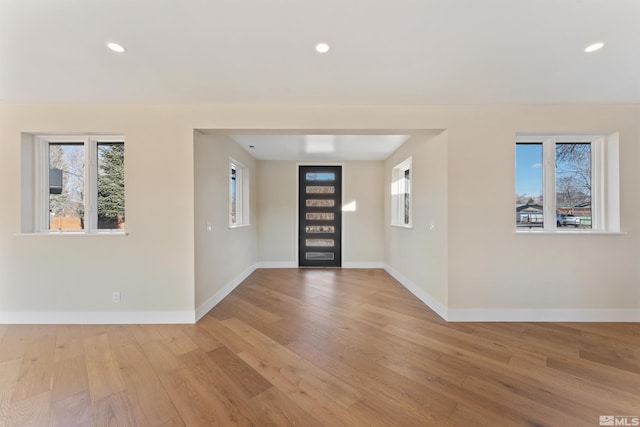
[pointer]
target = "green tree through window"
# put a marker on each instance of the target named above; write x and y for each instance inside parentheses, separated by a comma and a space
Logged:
(111, 185)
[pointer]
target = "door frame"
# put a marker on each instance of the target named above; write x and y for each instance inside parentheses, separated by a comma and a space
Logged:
(297, 225)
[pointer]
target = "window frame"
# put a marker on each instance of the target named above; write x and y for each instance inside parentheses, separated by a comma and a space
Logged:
(241, 196)
(401, 193)
(604, 180)
(90, 174)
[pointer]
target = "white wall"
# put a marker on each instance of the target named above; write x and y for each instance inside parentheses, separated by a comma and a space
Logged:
(363, 229)
(494, 269)
(225, 253)
(418, 256)
(277, 210)
(154, 265)
(71, 278)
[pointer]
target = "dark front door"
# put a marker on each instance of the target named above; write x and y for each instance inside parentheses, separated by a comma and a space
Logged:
(320, 212)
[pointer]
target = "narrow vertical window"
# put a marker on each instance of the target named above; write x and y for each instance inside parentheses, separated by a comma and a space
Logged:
(529, 184)
(234, 195)
(401, 194)
(238, 194)
(407, 197)
(110, 195)
(66, 186)
(573, 185)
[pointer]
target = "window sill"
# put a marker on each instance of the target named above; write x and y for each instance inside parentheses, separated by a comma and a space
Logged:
(402, 226)
(238, 226)
(571, 232)
(75, 233)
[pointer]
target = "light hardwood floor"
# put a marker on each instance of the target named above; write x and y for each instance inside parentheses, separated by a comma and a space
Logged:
(315, 347)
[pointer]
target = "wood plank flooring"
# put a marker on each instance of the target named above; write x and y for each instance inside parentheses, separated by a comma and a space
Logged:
(314, 347)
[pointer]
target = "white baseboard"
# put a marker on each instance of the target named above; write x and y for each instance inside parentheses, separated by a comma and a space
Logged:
(215, 299)
(124, 317)
(96, 317)
(448, 314)
(293, 264)
(424, 296)
(516, 314)
(543, 315)
(277, 264)
(363, 265)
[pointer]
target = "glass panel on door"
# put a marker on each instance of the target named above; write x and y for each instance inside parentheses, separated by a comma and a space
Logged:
(320, 220)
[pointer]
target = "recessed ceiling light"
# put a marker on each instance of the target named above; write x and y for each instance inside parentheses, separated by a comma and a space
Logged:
(322, 47)
(594, 47)
(116, 47)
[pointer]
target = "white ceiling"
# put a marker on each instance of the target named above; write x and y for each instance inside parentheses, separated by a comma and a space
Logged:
(261, 51)
(320, 147)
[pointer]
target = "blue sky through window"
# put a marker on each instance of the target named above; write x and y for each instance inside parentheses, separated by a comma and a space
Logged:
(529, 169)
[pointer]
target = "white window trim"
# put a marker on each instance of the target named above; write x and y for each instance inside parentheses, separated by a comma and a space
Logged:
(605, 181)
(41, 173)
(397, 189)
(242, 194)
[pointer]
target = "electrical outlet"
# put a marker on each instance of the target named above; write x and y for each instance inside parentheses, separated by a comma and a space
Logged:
(116, 297)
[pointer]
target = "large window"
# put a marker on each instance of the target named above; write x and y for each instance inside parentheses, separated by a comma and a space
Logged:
(401, 194)
(561, 183)
(238, 194)
(79, 184)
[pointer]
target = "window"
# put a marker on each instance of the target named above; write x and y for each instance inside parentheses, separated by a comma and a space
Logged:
(401, 194)
(79, 184)
(238, 194)
(561, 183)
